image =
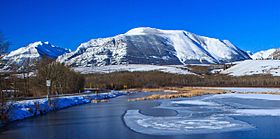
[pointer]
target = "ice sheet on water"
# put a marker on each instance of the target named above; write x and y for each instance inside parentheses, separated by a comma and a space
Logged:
(248, 96)
(194, 102)
(258, 112)
(181, 124)
(204, 114)
(249, 89)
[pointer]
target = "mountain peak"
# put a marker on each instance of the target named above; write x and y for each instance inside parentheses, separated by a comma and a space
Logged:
(33, 51)
(142, 31)
(149, 30)
(36, 44)
(265, 54)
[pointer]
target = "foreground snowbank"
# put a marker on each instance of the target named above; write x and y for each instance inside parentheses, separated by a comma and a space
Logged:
(28, 108)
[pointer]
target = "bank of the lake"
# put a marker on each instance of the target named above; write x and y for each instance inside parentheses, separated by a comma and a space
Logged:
(19, 110)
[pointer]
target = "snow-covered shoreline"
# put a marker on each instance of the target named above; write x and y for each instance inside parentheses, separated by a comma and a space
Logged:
(29, 108)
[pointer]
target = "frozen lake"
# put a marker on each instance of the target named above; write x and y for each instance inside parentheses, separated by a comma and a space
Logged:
(206, 114)
(227, 116)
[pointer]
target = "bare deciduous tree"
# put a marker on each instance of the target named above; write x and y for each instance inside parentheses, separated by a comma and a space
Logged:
(63, 79)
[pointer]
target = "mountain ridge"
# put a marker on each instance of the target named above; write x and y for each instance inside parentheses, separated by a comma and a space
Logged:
(147, 45)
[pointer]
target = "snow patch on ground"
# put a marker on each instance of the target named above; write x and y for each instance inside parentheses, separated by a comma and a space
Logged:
(253, 67)
(133, 68)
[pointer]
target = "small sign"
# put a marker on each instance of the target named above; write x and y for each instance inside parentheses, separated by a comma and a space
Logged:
(48, 83)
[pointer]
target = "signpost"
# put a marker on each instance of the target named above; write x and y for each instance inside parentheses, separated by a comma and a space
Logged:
(48, 84)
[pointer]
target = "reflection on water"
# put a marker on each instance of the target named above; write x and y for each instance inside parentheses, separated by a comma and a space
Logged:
(105, 121)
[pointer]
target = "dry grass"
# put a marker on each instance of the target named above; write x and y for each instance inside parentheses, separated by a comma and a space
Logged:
(181, 92)
(175, 92)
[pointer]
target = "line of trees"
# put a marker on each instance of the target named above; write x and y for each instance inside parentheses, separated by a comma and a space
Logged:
(153, 79)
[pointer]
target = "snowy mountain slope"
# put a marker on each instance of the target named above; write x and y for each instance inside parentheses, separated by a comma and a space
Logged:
(33, 52)
(153, 46)
(275, 54)
(252, 67)
(265, 54)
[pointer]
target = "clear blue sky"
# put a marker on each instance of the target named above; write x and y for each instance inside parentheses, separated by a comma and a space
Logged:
(249, 24)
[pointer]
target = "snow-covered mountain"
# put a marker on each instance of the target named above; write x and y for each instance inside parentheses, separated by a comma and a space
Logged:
(33, 52)
(265, 54)
(153, 46)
